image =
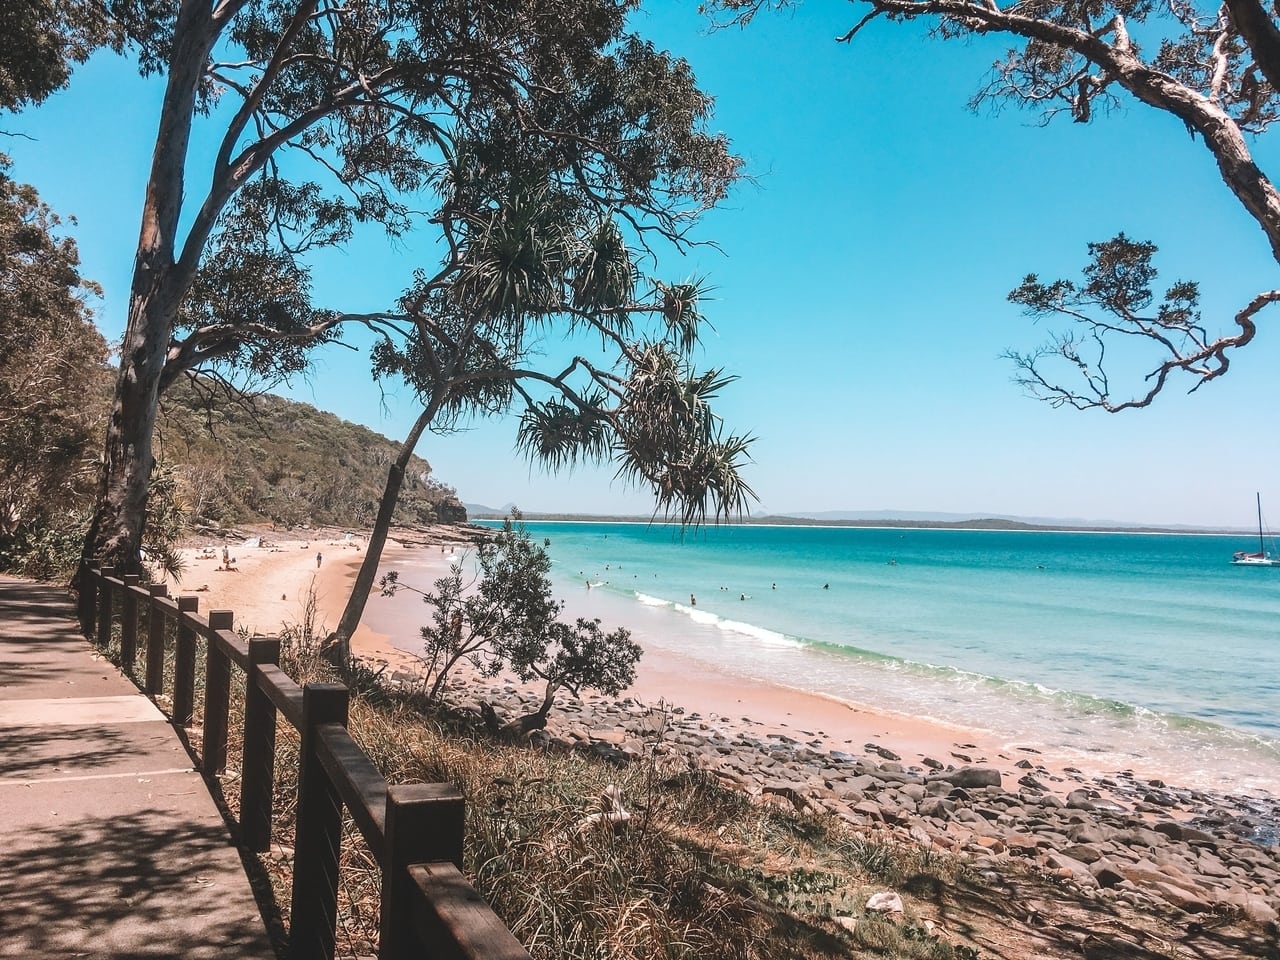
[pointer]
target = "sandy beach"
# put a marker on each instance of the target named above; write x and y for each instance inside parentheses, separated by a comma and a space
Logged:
(269, 584)
(1121, 835)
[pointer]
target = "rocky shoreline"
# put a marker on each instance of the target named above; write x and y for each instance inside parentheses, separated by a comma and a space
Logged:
(1117, 839)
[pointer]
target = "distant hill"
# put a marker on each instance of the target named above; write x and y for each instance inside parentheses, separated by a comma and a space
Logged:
(480, 510)
(888, 518)
(276, 460)
(984, 521)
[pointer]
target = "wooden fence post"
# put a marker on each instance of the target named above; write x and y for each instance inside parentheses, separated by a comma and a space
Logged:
(258, 764)
(104, 606)
(217, 696)
(184, 666)
(129, 623)
(154, 682)
(89, 573)
(314, 911)
(425, 823)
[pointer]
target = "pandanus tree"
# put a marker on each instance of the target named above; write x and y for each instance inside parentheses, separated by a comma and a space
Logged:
(324, 116)
(1211, 67)
(530, 265)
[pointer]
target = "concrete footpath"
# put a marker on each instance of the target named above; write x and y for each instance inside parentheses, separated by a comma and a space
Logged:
(110, 843)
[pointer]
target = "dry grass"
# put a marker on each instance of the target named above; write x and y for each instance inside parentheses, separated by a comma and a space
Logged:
(698, 870)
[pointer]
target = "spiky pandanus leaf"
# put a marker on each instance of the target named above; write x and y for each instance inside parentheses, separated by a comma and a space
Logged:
(557, 434)
(669, 437)
(604, 273)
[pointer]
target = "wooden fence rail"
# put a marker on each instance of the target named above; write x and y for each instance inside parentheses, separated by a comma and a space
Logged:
(415, 831)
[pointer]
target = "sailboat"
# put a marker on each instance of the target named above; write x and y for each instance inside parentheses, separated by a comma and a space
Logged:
(1261, 558)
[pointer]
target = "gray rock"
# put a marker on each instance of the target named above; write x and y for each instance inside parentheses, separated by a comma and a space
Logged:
(1107, 873)
(1079, 800)
(939, 808)
(970, 777)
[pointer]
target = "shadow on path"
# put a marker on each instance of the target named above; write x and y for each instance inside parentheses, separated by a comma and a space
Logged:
(131, 886)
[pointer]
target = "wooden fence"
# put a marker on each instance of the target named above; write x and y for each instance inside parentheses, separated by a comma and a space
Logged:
(414, 830)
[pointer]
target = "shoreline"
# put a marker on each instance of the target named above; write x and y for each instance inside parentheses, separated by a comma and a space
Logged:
(664, 676)
(1129, 840)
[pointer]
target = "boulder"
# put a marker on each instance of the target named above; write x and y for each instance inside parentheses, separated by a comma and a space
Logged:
(937, 807)
(887, 902)
(1079, 800)
(970, 778)
(1254, 907)
(1106, 873)
(1191, 901)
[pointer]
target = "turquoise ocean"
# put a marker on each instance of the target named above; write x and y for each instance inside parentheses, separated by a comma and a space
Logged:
(1122, 651)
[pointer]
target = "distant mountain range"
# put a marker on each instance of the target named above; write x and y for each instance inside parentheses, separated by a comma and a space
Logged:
(893, 518)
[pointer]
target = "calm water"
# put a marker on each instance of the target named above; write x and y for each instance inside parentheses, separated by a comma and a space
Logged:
(1123, 650)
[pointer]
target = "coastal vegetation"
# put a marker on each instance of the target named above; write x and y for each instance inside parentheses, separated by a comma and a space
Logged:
(507, 619)
(265, 459)
(530, 144)
(224, 459)
(53, 383)
(1214, 68)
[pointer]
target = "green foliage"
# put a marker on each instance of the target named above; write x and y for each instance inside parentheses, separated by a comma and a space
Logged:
(238, 459)
(42, 40)
(1112, 305)
(48, 550)
(53, 384)
(507, 618)
(537, 261)
(464, 101)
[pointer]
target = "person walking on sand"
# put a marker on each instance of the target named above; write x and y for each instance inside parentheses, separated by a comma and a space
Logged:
(319, 557)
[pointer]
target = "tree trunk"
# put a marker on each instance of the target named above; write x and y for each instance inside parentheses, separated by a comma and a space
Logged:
(115, 532)
(338, 649)
(520, 727)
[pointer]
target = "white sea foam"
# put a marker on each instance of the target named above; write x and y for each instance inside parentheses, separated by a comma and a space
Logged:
(1045, 640)
(771, 637)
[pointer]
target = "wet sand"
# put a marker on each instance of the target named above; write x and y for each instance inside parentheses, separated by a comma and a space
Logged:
(270, 584)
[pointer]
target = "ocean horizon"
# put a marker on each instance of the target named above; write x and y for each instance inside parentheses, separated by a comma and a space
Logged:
(1114, 650)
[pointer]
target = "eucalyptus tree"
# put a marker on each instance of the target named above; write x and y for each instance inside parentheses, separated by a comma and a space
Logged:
(1214, 67)
(325, 115)
(41, 42)
(530, 265)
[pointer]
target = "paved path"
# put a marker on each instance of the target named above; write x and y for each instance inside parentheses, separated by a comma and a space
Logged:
(110, 844)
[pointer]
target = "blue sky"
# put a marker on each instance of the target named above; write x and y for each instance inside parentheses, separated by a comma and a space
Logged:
(860, 283)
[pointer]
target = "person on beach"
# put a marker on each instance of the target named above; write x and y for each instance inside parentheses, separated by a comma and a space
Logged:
(319, 557)
(693, 601)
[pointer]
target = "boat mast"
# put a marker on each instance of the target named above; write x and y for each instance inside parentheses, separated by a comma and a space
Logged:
(1262, 549)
